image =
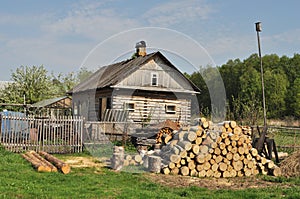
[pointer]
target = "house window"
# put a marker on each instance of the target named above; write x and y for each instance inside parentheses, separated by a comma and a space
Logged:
(170, 109)
(129, 106)
(154, 79)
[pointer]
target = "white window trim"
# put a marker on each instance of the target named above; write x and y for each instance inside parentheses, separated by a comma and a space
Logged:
(129, 109)
(170, 111)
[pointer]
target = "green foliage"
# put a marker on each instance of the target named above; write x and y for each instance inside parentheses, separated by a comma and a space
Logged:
(33, 84)
(29, 82)
(295, 97)
(242, 81)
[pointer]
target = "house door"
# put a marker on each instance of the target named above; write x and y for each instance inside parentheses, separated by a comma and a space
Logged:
(104, 103)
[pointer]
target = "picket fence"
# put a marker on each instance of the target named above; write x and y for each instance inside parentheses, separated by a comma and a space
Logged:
(58, 135)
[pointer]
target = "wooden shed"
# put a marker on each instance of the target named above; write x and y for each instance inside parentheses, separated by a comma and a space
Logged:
(54, 107)
(147, 86)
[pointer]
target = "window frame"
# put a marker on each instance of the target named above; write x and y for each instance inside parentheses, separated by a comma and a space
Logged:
(170, 111)
(127, 106)
(154, 76)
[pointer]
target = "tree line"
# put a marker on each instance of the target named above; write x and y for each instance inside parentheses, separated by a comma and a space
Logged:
(242, 82)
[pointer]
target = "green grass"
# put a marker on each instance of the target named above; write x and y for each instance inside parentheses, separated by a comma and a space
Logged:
(19, 180)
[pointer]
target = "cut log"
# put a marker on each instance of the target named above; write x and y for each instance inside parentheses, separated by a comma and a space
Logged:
(185, 171)
(229, 156)
(232, 124)
(191, 136)
(205, 124)
(175, 171)
(276, 171)
(219, 159)
(195, 149)
(138, 158)
(213, 135)
(38, 165)
(254, 152)
(222, 166)
(217, 174)
(194, 173)
(238, 165)
(208, 157)
(209, 173)
(44, 161)
(241, 150)
(206, 166)
(202, 173)
(217, 151)
(172, 165)
(200, 158)
(203, 149)
(198, 140)
(154, 163)
(62, 166)
(226, 174)
(167, 138)
(185, 145)
(166, 171)
(215, 167)
(192, 165)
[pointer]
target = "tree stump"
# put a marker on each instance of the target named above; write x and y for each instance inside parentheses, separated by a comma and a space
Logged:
(154, 164)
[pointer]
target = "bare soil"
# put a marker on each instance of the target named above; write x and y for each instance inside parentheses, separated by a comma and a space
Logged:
(213, 183)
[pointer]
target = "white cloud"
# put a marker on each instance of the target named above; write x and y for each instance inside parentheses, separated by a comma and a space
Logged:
(92, 21)
(176, 12)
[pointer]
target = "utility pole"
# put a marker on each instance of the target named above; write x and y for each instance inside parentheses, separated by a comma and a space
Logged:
(259, 29)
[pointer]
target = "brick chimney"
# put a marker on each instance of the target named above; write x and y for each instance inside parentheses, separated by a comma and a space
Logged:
(141, 48)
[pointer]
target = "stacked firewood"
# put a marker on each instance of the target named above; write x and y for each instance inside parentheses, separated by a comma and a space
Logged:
(164, 135)
(133, 160)
(208, 150)
(44, 162)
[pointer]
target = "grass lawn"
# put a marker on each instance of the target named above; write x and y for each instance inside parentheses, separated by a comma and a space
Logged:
(19, 180)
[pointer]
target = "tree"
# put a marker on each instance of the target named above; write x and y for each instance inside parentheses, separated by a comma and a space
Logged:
(83, 74)
(30, 84)
(295, 105)
(276, 85)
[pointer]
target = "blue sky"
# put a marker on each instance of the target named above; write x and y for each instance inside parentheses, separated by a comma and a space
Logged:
(64, 35)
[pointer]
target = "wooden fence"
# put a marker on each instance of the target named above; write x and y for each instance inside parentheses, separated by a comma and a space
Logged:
(60, 135)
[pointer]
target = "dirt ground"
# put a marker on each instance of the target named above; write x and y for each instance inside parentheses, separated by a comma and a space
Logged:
(213, 183)
(185, 181)
(81, 162)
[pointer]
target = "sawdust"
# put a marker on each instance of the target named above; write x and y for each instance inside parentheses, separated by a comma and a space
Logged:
(82, 162)
(290, 167)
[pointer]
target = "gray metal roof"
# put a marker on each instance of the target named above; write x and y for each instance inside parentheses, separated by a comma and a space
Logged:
(112, 74)
(48, 102)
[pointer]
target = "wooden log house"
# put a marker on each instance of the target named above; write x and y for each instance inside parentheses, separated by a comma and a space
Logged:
(148, 86)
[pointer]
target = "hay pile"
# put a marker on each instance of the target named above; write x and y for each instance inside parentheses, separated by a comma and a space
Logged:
(290, 167)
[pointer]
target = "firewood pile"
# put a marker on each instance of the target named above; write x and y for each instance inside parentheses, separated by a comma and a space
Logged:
(166, 131)
(208, 150)
(44, 162)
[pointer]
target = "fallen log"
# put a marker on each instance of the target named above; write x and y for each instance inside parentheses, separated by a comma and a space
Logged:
(37, 164)
(62, 166)
(44, 161)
